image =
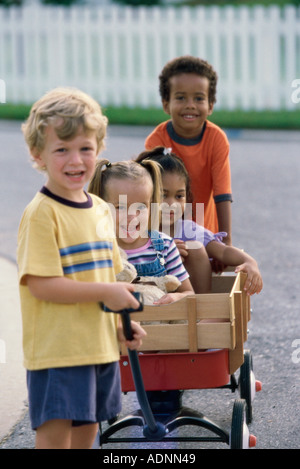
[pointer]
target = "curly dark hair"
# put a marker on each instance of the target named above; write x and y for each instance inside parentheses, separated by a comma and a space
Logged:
(187, 64)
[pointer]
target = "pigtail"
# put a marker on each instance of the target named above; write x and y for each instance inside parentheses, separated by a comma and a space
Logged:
(154, 170)
(153, 154)
(100, 177)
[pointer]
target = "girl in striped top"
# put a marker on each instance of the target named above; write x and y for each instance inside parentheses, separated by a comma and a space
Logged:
(133, 191)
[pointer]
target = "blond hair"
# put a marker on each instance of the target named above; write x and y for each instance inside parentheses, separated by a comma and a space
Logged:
(68, 110)
(105, 171)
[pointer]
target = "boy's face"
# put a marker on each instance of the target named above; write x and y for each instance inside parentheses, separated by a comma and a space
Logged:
(69, 164)
(189, 104)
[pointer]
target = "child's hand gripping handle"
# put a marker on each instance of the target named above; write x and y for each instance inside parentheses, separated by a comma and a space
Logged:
(125, 314)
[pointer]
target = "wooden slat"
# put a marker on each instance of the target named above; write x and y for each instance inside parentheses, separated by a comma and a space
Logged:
(214, 335)
(249, 308)
(192, 323)
(171, 337)
(209, 306)
(213, 306)
(245, 305)
(236, 356)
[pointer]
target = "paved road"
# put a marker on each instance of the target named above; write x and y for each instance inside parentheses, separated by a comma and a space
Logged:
(266, 221)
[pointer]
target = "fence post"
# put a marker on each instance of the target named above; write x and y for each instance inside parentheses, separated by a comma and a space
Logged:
(2, 92)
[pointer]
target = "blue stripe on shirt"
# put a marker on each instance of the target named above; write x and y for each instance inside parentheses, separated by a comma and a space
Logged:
(101, 264)
(77, 248)
(89, 263)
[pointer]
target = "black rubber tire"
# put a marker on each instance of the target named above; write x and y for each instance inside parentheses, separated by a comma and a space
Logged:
(245, 383)
(238, 424)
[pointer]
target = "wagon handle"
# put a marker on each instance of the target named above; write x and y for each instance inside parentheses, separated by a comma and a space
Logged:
(125, 314)
(153, 430)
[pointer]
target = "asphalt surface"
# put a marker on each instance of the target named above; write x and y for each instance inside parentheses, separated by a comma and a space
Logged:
(266, 221)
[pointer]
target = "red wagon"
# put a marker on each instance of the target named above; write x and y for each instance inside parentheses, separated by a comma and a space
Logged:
(195, 343)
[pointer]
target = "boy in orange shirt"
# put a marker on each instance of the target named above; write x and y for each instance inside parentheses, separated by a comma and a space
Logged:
(188, 92)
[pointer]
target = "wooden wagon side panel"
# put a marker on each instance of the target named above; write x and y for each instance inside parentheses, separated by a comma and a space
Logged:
(197, 322)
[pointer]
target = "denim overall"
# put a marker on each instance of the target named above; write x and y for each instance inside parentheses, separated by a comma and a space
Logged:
(154, 268)
(160, 401)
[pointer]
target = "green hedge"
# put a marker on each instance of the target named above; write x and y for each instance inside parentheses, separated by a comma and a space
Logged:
(138, 116)
(229, 119)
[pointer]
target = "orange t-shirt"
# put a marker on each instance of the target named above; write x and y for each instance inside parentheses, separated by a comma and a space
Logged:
(206, 159)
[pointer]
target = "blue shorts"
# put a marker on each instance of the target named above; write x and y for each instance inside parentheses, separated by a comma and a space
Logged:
(83, 394)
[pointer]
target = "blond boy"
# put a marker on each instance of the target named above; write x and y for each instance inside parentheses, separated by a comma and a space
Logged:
(67, 267)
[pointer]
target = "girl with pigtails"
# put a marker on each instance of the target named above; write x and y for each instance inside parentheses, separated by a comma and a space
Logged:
(133, 191)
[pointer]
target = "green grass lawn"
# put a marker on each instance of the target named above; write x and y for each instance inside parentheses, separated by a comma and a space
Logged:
(138, 116)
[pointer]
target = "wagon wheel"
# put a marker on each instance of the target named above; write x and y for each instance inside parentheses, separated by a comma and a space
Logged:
(246, 382)
(240, 437)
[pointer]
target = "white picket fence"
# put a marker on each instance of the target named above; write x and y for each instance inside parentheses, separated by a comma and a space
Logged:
(116, 54)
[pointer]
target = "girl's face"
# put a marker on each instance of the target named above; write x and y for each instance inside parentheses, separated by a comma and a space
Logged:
(130, 201)
(174, 195)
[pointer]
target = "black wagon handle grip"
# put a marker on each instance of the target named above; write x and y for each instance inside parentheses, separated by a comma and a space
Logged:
(125, 314)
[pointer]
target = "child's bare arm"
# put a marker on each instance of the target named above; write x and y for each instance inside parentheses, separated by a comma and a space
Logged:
(183, 290)
(227, 254)
(182, 248)
(198, 266)
(224, 219)
(116, 295)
